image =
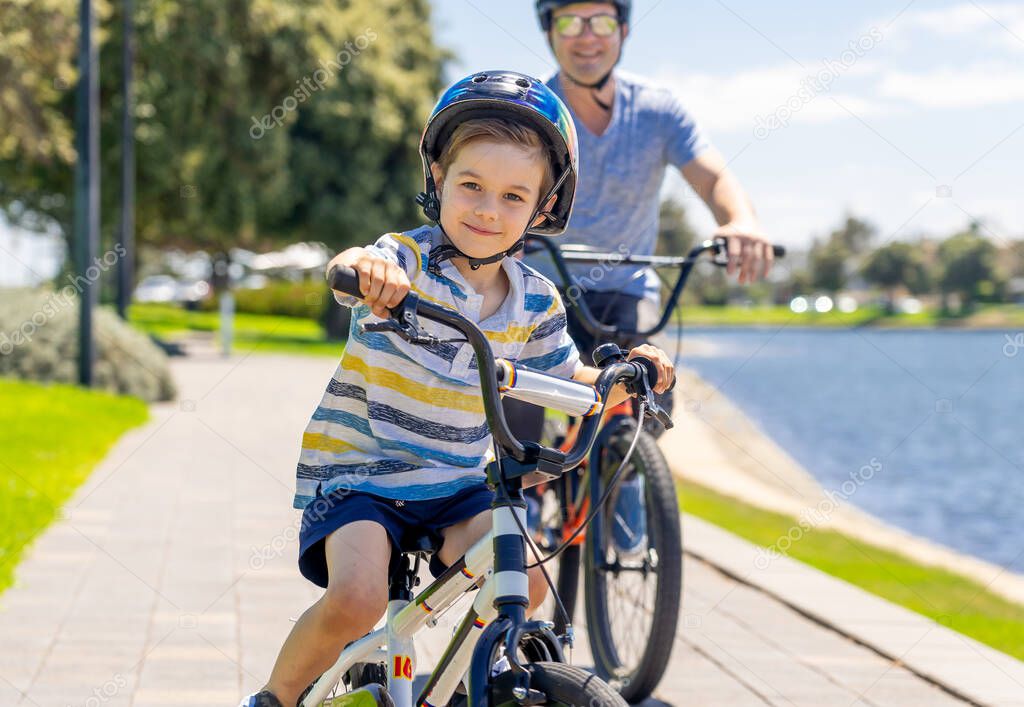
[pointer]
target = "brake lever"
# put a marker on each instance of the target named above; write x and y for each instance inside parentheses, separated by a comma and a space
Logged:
(646, 397)
(404, 323)
(660, 414)
(721, 253)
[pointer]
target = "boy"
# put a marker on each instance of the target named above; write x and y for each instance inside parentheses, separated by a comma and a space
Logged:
(400, 438)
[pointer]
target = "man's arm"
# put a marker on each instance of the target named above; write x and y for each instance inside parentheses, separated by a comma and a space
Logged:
(721, 191)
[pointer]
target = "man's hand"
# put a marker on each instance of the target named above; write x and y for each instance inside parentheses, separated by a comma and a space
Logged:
(749, 250)
(666, 371)
(383, 283)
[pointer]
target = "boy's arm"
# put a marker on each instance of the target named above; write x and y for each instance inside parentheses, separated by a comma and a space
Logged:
(666, 373)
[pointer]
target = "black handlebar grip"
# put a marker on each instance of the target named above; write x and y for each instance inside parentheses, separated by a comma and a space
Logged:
(779, 251)
(652, 371)
(345, 279)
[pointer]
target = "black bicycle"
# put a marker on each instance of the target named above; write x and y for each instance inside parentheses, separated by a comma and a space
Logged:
(632, 551)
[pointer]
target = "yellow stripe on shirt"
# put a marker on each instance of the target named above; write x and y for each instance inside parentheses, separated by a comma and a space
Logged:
(435, 397)
(513, 334)
(323, 443)
(412, 245)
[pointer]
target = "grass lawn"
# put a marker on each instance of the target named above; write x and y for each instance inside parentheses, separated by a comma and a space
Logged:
(51, 437)
(951, 599)
(253, 332)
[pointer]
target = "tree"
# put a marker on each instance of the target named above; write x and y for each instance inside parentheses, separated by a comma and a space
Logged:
(828, 265)
(894, 265)
(38, 39)
(830, 262)
(256, 121)
(855, 235)
(675, 235)
(968, 266)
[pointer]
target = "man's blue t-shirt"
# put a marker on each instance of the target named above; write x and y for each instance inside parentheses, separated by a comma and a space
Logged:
(617, 196)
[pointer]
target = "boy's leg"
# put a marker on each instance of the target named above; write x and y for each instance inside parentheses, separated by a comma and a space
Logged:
(356, 597)
(460, 537)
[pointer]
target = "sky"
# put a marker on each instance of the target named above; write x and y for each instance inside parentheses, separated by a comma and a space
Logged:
(908, 115)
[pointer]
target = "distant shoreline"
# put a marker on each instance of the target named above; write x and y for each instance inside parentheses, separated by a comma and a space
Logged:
(1009, 317)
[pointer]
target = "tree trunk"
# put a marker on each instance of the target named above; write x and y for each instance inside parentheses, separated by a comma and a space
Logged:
(222, 287)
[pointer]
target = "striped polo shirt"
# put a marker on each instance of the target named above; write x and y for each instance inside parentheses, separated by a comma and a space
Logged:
(407, 422)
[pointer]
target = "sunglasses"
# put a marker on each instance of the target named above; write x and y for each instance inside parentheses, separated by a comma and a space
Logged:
(573, 25)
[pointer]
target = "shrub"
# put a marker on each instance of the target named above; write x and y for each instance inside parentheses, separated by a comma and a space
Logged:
(288, 299)
(39, 341)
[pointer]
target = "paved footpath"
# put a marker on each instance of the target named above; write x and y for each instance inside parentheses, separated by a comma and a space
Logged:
(170, 578)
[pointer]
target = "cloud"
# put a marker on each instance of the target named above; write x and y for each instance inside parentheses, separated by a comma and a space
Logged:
(983, 84)
(737, 102)
(999, 22)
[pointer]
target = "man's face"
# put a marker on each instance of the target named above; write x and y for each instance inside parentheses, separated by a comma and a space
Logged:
(586, 58)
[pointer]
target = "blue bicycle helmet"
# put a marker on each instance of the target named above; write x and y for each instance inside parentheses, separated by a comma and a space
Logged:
(508, 95)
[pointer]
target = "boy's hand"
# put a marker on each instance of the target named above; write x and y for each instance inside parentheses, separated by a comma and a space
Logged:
(666, 370)
(383, 283)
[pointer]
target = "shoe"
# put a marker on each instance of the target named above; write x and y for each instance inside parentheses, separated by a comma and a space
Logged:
(261, 699)
(629, 521)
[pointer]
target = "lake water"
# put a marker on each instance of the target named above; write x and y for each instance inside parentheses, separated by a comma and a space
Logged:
(941, 411)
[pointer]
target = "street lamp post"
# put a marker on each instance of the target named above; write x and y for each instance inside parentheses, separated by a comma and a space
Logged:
(126, 265)
(87, 187)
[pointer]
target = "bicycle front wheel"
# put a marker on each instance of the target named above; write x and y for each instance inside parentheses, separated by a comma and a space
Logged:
(568, 685)
(634, 567)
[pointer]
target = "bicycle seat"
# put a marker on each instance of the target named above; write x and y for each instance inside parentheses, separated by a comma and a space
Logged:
(421, 542)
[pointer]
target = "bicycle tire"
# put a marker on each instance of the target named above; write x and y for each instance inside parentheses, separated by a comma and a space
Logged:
(568, 685)
(664, 535)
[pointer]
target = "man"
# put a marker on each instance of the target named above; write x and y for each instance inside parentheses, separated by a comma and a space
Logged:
(629, 133)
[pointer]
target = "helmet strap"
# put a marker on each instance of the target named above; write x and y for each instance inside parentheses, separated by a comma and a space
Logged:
(449, 250)
(428, 200)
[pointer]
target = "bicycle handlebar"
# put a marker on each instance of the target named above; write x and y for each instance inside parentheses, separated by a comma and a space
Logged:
(718, 247)
(639, 374)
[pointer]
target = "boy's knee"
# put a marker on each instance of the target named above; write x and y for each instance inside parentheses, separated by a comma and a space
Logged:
(353, 606)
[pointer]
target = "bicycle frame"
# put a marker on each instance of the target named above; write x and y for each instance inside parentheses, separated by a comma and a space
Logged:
(393, 643)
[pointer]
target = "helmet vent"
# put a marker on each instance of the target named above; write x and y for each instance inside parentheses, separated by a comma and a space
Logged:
(479, 78)
(522, 83)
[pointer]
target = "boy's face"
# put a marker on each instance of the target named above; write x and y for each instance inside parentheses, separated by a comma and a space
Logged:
(586, 58)
(488, 195)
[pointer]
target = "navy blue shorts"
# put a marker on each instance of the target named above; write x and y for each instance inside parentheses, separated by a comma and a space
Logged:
(400, 519)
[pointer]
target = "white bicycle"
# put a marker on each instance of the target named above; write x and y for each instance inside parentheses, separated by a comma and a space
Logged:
(496, 654)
